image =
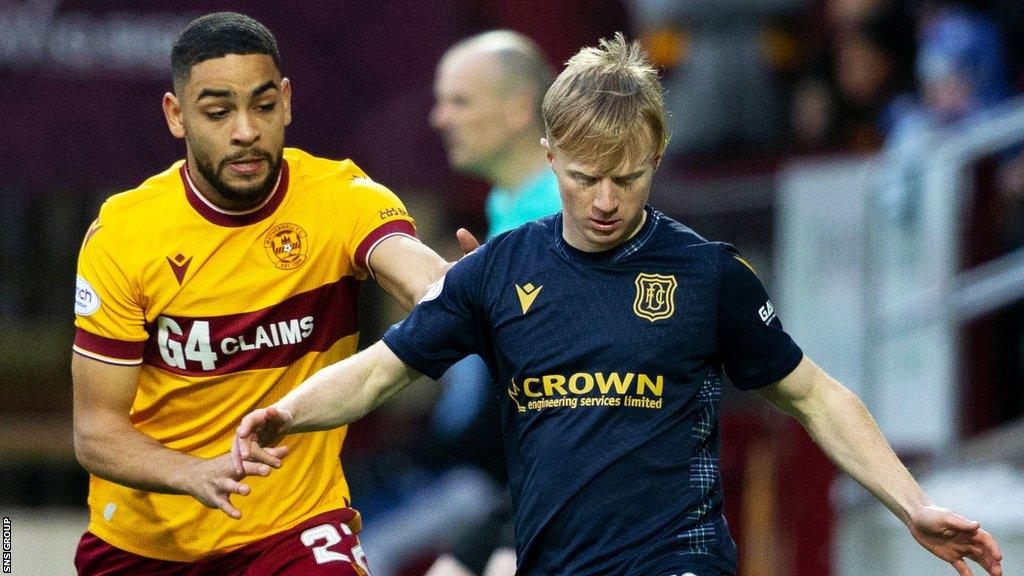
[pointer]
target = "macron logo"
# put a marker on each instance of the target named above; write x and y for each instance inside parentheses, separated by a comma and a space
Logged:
(527, 294)
(179, 265)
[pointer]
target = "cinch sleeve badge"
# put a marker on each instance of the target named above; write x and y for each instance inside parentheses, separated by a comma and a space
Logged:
(87, 301)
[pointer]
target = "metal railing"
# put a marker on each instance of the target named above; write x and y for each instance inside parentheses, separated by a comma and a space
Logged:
(926, 317)
(881, 300)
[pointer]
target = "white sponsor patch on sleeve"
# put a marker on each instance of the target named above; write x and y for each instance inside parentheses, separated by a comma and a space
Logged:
(767, 312)
(433, 291)
(87, 300)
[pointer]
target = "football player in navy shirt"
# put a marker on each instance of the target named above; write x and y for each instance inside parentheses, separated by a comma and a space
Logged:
(609, 328)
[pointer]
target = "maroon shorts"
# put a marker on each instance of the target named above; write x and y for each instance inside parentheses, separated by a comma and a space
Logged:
(325, 545)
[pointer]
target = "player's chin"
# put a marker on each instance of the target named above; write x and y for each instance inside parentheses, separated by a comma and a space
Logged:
(606, 238)
(245, 189)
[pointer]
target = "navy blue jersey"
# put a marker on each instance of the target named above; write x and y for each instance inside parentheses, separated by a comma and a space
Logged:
(609, 373)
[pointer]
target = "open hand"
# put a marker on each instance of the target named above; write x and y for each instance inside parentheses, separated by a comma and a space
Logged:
(953, 538)
(212, 481)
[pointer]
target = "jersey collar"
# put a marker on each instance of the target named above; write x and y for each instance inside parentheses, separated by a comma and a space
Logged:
(612, 255)
(222, 217)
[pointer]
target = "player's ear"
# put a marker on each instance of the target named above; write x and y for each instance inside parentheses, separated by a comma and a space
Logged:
(286, 100)
(172, 113)
(547, 150)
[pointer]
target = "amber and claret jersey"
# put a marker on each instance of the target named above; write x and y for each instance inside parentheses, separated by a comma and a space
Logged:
(226, 313)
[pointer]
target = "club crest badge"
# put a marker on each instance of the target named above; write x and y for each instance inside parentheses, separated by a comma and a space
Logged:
(655, 296)
(287, 246)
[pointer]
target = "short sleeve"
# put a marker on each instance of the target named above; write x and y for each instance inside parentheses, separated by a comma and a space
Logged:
(754, 348)
(380, 215)
(109, 315)
(447, 325)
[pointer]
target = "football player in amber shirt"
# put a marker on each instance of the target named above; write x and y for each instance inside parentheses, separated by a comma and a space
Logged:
(210, 290)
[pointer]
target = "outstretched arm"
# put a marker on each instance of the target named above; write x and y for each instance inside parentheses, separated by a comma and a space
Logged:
(842, 426)
(109, 446)
(344, 392)
(336, 395)
(406, 268)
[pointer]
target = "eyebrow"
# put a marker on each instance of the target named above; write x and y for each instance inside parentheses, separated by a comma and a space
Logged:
(632, 176)
(268, 85)
(213, 93)
(576, 174)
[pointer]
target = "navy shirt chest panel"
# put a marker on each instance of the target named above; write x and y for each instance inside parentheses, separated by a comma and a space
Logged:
(583, 322)
(582, 317)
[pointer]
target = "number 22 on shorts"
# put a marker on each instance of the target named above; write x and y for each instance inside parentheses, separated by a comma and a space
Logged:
(329, 535)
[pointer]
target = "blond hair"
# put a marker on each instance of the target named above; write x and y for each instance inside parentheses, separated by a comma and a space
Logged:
(607, 106)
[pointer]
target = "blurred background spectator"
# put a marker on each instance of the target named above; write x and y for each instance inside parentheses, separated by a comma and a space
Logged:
(860, 102)
(960, 72)
(866, 59)
(488, 91)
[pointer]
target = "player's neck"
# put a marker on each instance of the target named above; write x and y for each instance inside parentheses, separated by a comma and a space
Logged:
(218, 201)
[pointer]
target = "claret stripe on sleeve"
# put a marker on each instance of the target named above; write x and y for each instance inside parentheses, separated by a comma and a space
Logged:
(108, 350)
(272, 337)
(403, 227)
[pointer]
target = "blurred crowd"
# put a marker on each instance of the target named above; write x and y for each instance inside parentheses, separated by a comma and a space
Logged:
(827, 76)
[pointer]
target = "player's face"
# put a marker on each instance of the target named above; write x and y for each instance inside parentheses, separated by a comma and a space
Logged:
(601, 209)
(469, 113)
(232, 114)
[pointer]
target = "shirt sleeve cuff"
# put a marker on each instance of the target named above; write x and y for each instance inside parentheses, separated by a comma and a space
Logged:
(108, 350)
(402, 227)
